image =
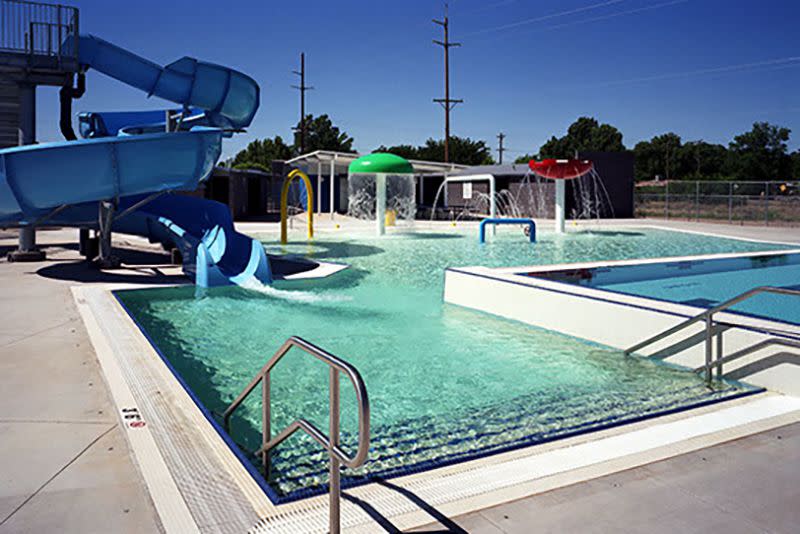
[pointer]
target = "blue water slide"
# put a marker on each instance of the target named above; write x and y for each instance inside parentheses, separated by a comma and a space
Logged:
(93, 124)
(128, 159)
(214, 253)
(229, 97)
(36, 179)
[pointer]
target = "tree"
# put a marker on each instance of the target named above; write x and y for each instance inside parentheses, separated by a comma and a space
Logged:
(463, 150)
(658, 157)
(260, 153)
(525, 159)
(703, 161)
(796, 165)
(583, 135)
(761, 153)
(321, 134)
(404, 151)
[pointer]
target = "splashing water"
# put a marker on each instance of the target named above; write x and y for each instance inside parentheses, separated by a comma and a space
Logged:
(534, 198)
(399, 196)
(303, 297)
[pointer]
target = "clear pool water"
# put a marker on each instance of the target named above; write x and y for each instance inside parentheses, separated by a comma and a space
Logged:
(445, 383)
(709, 283)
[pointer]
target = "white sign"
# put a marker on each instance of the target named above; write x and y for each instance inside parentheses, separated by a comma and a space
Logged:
(466, 190)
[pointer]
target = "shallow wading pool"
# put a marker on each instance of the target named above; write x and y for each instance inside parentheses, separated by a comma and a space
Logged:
(446, 384)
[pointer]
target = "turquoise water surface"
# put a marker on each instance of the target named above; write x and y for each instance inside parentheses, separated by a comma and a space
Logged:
(445, 383)
(712, 288)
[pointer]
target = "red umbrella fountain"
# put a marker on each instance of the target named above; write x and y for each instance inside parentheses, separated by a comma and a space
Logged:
(560, 170)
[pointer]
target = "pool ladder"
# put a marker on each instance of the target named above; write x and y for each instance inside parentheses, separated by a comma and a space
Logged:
(713, 328)
(330, 442)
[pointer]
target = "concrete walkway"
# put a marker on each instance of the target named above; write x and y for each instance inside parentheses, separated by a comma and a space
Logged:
(744, 486)
(65, 464)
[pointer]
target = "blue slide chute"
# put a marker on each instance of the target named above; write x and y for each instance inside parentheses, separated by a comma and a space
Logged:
(229, 98)
(128, 159)
(35, 179)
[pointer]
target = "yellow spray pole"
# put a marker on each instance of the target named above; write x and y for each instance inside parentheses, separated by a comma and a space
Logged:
(285, 200)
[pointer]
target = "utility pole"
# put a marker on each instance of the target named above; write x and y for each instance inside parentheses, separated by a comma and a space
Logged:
(500, 148)
(447, 103)
(302, 88)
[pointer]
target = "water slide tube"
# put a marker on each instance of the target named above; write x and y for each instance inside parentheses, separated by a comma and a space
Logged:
(62, 183)
(35, 180)
(230, 99)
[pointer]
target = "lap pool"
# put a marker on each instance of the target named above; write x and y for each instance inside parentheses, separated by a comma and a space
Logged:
(446, 384)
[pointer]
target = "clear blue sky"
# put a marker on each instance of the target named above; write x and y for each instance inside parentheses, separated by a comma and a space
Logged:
(701, 68)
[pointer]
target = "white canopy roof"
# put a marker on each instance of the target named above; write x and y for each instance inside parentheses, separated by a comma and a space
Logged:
(342, 160)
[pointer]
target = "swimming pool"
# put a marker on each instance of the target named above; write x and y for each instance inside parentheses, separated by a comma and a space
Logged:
(703, 282)
(446, 384)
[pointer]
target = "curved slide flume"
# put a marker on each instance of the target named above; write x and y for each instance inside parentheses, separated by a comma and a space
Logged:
(64, 182)
(230, 98)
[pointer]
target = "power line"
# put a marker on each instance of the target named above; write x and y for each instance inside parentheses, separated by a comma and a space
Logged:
(447, 103)
(302, 88)
(791, 61)
(614, 15)
(547, 17)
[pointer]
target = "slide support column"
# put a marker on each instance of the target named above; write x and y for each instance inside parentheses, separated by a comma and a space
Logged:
(26, 248)
(106, 260)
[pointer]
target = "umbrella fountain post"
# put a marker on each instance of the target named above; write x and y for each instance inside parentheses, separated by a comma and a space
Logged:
(560, 170)
(381, 166)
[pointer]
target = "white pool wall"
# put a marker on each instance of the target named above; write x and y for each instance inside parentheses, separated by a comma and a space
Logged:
(620, 321)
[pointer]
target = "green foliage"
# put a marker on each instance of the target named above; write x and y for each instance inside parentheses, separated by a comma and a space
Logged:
(251, 166)
(703, 161)
(321, 134)
(463, 150)
(757, 155)
(760, 154)
(796, 165)
(525, 159)
(658, 157)
(260, 153)
(583, 135)
(404, 151)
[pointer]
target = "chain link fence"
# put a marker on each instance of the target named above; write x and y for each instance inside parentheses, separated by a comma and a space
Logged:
(767, 203)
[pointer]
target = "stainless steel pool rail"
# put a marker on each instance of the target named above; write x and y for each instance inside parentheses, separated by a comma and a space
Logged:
(712, 329)
(331, 441)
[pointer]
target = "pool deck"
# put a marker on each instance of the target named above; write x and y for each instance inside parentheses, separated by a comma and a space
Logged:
(66, 465)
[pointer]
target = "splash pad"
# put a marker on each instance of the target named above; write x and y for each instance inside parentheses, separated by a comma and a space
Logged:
(560, 170)
(381, 184)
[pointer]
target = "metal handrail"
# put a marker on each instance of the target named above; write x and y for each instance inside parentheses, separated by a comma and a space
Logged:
(37, 28)
(329, 442)
(708, 317)
(749, 350)
(710, 312)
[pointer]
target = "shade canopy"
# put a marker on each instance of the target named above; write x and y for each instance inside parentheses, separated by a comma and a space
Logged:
(381, 162)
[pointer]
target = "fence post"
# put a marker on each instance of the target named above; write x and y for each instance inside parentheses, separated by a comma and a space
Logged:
(766, 203)
(666, 201)
(697, 201)
(730, 203)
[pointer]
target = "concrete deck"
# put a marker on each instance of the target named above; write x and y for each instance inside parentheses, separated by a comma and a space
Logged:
(748, 485)
(65, 464)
